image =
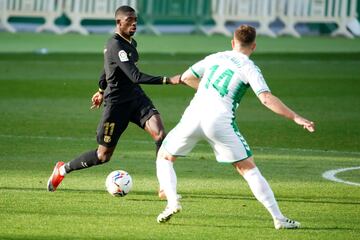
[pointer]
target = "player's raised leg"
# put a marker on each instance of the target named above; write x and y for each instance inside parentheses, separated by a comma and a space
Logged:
(88, 159)
(155, 127)
(263, 193)
(167, 179)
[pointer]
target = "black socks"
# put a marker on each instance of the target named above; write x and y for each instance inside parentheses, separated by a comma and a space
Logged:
(90, 159)
(85, 160)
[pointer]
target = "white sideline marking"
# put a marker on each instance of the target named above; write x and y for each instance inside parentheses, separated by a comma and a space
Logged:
(150, 141)
(330, 175)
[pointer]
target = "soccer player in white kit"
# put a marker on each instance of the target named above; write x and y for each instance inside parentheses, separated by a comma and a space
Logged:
(221, 80)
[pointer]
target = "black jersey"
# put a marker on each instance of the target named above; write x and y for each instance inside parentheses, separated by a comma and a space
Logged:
(121, 77)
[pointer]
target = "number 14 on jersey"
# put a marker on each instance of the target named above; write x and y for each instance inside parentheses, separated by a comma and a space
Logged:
(220, 83)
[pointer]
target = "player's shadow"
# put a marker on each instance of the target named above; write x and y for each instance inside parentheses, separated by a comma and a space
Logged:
(72, 190)
(256, 226)
(190, 197)
(26, 189)
(327, 228)
(150, 195)
(227, 226)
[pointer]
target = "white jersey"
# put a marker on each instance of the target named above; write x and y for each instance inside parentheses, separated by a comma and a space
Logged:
(225, 77)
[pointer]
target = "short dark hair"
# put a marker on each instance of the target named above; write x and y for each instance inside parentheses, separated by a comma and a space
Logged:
(245, 34)
(123, 10)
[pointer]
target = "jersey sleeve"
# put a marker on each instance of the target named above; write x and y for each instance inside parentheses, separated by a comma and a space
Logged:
(198, 69)
(255, 78)
(131, 70)
(102, 80)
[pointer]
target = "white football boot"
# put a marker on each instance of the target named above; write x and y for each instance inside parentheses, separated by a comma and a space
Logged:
(168, 212)
(286, 223)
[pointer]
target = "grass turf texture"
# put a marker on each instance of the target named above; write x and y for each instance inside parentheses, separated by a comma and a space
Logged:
(45, 117)
(74, 43)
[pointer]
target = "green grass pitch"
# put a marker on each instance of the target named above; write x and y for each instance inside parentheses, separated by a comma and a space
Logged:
(45, 117)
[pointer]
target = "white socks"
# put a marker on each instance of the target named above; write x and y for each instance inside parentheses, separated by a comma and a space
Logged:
(167, 179)
(259, 186)
(262, 191)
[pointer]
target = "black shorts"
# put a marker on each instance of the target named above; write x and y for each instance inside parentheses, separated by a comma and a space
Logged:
(116, 118)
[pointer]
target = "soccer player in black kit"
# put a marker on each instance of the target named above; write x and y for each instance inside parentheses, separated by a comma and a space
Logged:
(124, 99)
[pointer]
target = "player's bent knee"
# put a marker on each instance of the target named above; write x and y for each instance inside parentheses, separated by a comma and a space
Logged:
(104, 154)
(163, 154)
(104, 158)
(170, 158)
(244, 165)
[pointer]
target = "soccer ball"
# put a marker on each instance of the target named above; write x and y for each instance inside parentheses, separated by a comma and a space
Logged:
(118, 183)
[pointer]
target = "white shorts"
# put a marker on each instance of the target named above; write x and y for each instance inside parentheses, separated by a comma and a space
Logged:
(222, 134)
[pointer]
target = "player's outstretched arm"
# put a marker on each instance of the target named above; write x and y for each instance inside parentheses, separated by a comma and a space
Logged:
(97, 99)
(277, 106)
(188, 78)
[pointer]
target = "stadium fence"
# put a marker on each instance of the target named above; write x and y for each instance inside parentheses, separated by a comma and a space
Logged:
(340, 12)
(79, 10)
(49, 10)
(260, 11)
(195, 12)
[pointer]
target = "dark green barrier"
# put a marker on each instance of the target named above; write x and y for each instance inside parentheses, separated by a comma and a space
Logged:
(174, 12)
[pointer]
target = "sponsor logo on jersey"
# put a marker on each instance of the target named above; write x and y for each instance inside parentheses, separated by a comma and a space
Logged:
(123, 56)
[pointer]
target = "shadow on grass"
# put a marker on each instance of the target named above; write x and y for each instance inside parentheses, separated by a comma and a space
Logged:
(228, 226)
(256, 226)
(280, 199)
(328, 228)
(195, 196)
(85, 191)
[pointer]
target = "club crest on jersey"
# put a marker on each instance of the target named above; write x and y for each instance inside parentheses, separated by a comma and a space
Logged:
(107, 139)
(123, 56)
